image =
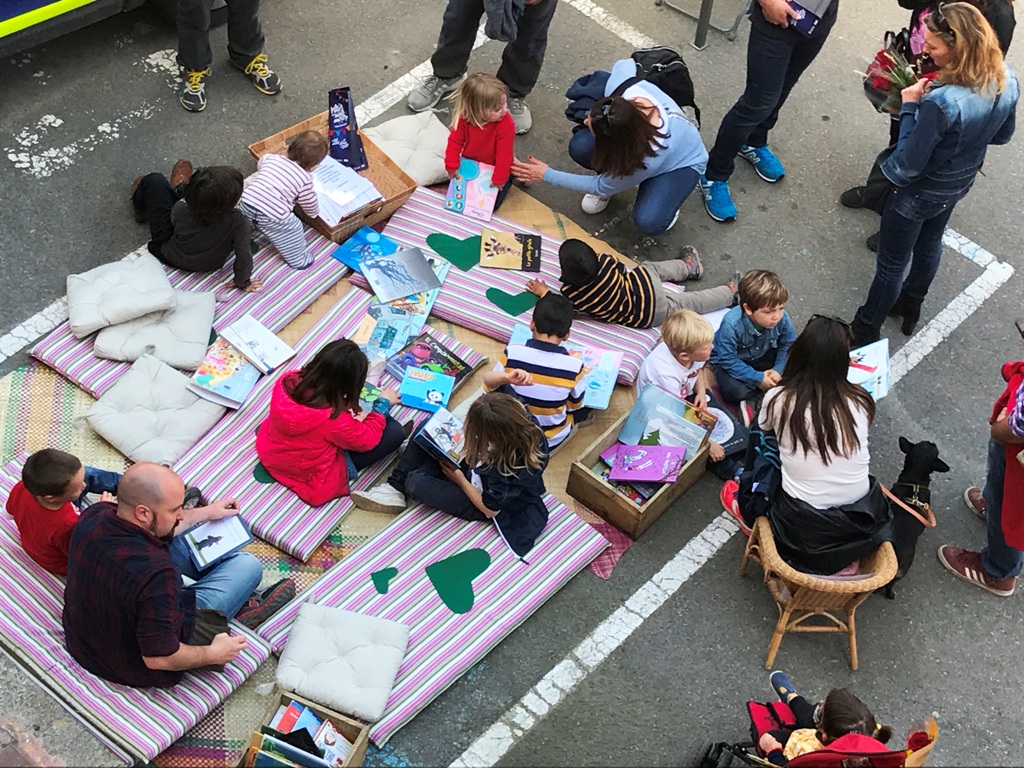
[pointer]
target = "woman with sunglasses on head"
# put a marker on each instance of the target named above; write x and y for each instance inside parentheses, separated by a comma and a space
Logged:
(829, 512)
(946, 126)
(639, 138)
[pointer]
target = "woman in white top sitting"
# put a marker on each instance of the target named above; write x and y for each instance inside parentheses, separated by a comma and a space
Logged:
(830, 511)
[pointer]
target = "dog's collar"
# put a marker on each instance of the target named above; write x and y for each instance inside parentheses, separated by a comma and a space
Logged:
(923, 513)
(916, 489)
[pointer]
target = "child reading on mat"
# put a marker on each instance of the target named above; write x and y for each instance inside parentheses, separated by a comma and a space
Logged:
(482, 129)
(500, 477)
(279, 184)
(195, 225)
(607, 290)
(841, 723)
(315, 440)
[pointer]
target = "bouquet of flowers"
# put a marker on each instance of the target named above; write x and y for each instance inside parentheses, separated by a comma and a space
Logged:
(886, 76)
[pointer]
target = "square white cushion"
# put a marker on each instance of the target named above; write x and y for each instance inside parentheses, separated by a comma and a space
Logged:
(343, 660)
(150, 414)
(416, 143)
(116, 292)
(179, 336)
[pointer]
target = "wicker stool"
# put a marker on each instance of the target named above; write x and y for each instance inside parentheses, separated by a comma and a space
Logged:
(800, 596)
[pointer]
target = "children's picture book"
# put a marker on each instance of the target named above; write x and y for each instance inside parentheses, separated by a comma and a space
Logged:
(295, 756)
(402, 273)
(430, 354)
(728, 431)
(208, 542)
(382, 337)
(367, 395)
(335, 746)
(426, 390)
(225, 376)
(647, 463)
(645, 490)
(260, 345)
(869, 367)
(509, 250)
(295, 717)
(340, 191)
(470, 192)
(659, 418)
(442, 436)
(344, 142)
(415, 308)
(365, 243)
(601, 366)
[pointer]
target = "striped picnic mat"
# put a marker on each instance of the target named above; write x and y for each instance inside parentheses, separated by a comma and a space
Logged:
(286, 292)
(443, 644)
(141, 721)
(223, 461)
(463, 298)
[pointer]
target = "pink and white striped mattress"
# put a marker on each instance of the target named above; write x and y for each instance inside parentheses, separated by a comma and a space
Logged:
(222, 462)
(463, 299)
(443, 645)
(140, 721)
(286, 292)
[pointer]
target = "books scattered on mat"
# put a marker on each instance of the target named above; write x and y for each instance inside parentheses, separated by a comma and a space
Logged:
(602, 367)
(417, 307)
(323, 746)
(509, 250)
(383, 336)
(869, 367)
(425, 389)
(341, 191)
(430, 354)
(263, 348)
(442, 437)
(365, 243)
(659, 418)
(470, 192)
(405, 272)
(209, 542)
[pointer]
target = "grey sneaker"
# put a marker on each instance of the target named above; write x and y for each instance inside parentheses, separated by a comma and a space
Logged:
(520, 115)
(193, 92)
(263, 78)
(428, 94)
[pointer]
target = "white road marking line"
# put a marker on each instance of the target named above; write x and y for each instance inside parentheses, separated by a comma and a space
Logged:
(612, 23)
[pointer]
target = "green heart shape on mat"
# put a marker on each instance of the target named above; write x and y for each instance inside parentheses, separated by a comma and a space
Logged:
(260, 474)
(453, 578)
(382, 579)
(515, 304)
(464, 254)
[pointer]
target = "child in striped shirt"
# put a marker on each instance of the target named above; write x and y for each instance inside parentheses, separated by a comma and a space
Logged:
(607, 290)
(279, 184)
(542, 374)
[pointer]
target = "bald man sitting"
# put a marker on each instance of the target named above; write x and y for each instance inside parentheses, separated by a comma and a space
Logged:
(128, 617)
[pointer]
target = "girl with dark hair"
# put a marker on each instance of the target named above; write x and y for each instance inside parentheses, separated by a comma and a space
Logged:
(315, 440)
(637, 139)
(193, 223)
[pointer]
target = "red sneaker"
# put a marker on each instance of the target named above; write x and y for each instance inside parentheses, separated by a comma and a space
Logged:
(975, 501)
(730, 490)
(966, 565)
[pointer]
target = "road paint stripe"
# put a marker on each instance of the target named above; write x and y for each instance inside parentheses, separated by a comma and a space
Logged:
(612, 23)
(967, 248)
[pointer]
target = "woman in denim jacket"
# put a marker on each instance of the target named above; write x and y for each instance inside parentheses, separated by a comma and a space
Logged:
(945, 131)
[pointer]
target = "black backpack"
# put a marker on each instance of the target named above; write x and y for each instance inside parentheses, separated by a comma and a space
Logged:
(665, 68)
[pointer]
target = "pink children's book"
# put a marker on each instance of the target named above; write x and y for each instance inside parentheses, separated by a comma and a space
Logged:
(470, 192)
(647, 463)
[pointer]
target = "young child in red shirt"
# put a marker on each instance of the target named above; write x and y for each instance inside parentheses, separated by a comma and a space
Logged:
(45, 504)
(482, 129)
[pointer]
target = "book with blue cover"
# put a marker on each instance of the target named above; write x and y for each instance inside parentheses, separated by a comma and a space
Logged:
(659, 418)
(426, 390)
(365, 243)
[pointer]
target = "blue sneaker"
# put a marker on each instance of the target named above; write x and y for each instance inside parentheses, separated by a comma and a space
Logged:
(717, 199)
(782, 685)
(765, 162)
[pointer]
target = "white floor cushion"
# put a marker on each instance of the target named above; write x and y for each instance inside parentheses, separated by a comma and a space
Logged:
(150, 414)
(117, 292)
(343, 660)
(416, 143)
(178, 336)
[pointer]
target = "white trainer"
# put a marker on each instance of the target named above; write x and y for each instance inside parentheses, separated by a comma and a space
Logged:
(381, 498)
(594, 203)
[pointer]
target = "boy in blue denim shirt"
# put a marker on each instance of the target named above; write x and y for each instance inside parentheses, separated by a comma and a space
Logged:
(753, 341)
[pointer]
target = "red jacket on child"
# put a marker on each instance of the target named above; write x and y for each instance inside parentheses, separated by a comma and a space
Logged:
(45, 533)
(492, 144)
(301, 447)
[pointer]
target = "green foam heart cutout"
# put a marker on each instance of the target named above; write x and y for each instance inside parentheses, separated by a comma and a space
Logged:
(382, 579)
(260, 474)
(464, 254)
(514, 304)
(453, 578)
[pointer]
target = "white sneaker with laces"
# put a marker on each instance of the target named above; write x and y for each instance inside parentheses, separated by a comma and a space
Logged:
(594, 203)
(381, 498)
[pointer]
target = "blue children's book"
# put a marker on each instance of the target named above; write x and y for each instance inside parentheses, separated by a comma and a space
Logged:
(426, 390)
(416, 307)
(659, 418)
(869, 367)
(365, 243)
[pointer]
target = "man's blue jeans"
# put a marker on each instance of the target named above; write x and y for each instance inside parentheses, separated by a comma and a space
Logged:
(998, 558)
(775, 62)
(97, 481)
(226, 586)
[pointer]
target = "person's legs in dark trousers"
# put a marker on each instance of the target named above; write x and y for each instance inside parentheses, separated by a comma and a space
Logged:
(194, 34)
(455, 41)
(419, 477)
(155, 197)
(245, 34)
(774, 65)
(733, 390)
(998, 559)
(927, 256)
(581, 147)
(659, 198)
(523, 57)
(390, 439)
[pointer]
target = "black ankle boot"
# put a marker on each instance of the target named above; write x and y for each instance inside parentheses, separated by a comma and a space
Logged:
(910, 310)
(863, 334)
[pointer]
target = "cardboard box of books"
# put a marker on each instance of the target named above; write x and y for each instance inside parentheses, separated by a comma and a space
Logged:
(657, 419)
(342, 739)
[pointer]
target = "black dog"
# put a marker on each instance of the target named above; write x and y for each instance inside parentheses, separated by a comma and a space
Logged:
(912, 488)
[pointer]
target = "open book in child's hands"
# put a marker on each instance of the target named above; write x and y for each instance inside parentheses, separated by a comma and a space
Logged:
(471, 192)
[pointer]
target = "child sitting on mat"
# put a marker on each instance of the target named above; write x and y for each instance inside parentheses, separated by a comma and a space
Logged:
(195, 226)
(279, 184)
(841, 722)
(607, 290)
(482, 129)
(316, 439)
(500, 477)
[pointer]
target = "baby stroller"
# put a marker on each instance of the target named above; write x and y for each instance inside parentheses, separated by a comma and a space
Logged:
(845, 752)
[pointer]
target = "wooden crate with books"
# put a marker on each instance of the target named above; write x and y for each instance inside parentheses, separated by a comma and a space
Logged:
(394, 184)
